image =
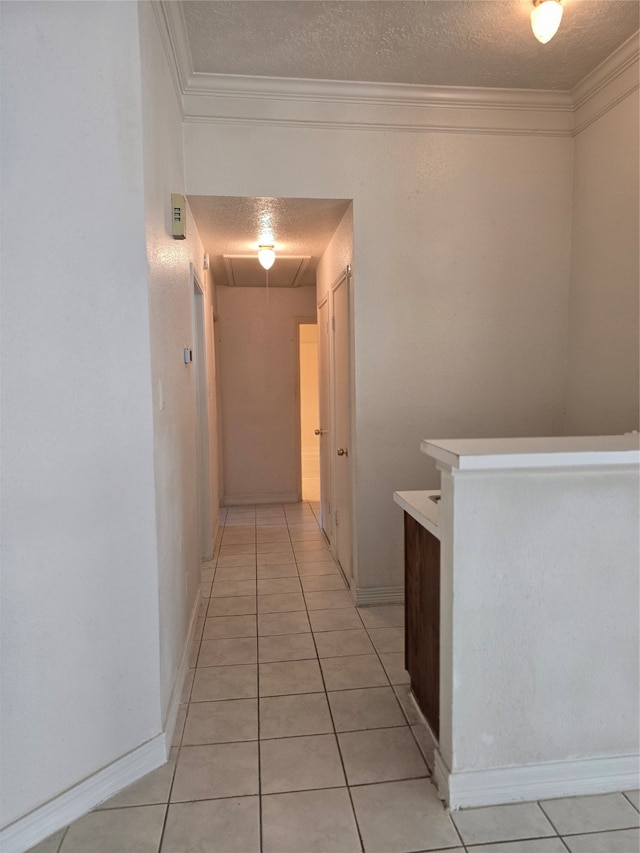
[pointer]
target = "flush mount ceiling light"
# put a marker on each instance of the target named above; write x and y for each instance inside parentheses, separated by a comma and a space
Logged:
(266, 256)
(545, 19)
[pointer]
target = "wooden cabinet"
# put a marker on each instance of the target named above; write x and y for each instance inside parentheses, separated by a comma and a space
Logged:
(422, 617)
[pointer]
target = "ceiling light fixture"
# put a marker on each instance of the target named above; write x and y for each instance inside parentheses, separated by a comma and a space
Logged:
(266, 256)
(545, 19)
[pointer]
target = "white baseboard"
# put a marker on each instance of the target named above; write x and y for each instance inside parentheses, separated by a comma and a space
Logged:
(77, 801)
(86, 795)
(546, 781)
(379, 595)
(269, 498)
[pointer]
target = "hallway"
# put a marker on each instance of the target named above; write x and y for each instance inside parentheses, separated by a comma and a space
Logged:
(296, 733)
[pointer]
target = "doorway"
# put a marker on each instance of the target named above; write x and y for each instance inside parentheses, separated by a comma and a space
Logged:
(309, 411)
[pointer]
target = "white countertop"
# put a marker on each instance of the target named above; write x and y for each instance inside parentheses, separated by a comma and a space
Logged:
(421, 508)
(552, 452)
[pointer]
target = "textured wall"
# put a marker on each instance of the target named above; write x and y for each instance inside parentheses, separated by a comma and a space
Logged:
(258, 348)
(545, 612)
(602, 378)
(461, 270)
(80, 627)
(173, 382)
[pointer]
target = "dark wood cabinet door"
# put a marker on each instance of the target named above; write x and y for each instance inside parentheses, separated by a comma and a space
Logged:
(422, 611)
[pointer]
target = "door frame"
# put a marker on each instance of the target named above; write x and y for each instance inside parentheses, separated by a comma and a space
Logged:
(202, 433)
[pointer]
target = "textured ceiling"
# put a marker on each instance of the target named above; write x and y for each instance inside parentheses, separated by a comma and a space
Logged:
(236, 226)
(432, 42)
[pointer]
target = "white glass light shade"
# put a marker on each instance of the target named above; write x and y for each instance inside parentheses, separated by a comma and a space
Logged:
(545, 20)
(266, 256)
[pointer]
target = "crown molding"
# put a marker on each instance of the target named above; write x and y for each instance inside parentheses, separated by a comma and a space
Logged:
(607, 85)
(331, 104)
(612, 67)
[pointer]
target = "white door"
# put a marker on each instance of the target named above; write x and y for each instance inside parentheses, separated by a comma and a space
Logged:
(342, 421)
(324, 419)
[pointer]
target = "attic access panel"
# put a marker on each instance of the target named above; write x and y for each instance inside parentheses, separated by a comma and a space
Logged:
(245, 271)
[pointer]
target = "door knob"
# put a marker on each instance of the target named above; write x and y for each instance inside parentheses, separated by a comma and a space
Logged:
(342, 451)
(319, 431)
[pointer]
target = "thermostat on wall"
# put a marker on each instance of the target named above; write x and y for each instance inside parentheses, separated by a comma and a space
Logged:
(178, 217)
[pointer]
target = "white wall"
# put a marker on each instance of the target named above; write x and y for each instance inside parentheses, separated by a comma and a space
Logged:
(602, 377)
(461, 270)
(173, 382)
(80, 674)
(544, 596)
(258, 368)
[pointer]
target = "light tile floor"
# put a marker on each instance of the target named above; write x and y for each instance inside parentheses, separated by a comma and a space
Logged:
(296, 735)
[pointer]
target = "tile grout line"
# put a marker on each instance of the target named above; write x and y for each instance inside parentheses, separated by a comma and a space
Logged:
(335, 734)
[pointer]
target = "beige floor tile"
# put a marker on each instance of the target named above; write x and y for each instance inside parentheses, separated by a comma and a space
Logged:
(236, 560)
(236, 573)
(271, 521)
(206, 575)
(281, 603)
(231, 825)
(288, 716)
(232, 536)
(220, 770)
(282, 570)
(283, 647)
(227, 627)
(319, 555)
(346, 619)
(331, 600)
(276, 586)
(300, 763)
(502, 823)
(50, 844)
(294, 622)
(296, 676)
(306, 536)
(326, 567)
(591, 814)
(531, 845)
(323, 583)
(332, 644)
(394, 667)
(275, 558)
(235, 550)
(386, 640)
(225, 682)
(272, 534)
(617, 841)
(353, 671)
(241, 605)
(381, 755)
(369, 708)
(283, 548)
(230, 589)
(309, 822)
(314, 545)
(397, 817)
(135, 830)
(383, 615)
(221, 722)
(152, 789)
(230, 651)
